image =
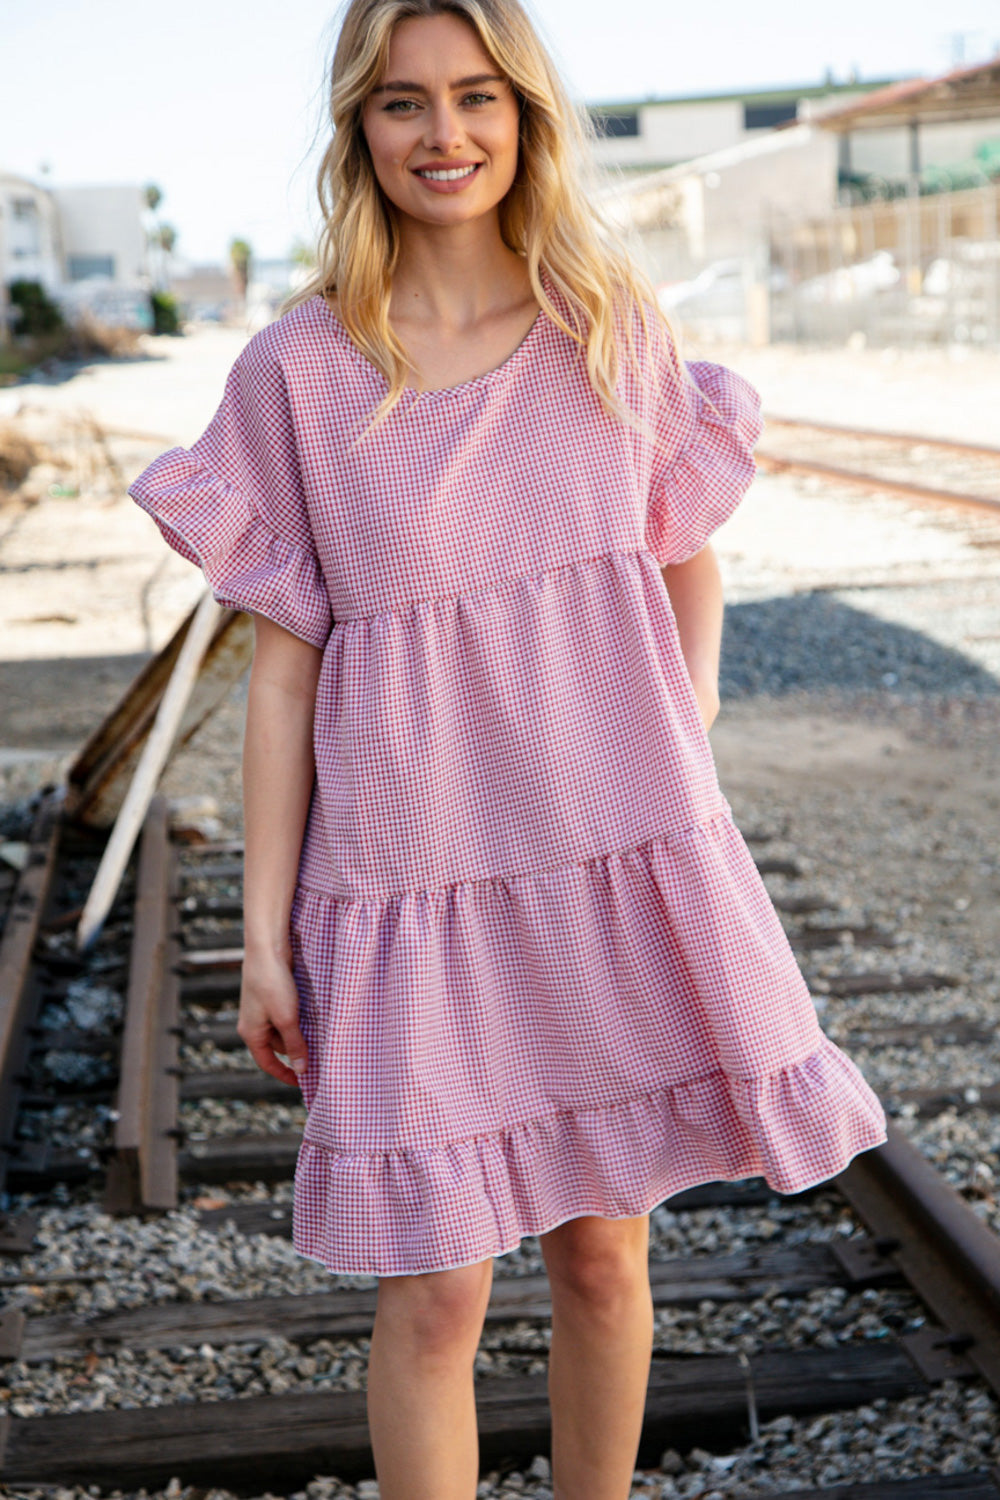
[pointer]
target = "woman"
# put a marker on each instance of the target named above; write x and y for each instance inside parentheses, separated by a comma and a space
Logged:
(488, 866)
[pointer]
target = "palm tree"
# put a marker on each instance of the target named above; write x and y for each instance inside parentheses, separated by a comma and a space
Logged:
(240, 256)
(155, 237)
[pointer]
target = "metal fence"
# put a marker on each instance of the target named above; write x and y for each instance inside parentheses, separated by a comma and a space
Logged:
(905, 270)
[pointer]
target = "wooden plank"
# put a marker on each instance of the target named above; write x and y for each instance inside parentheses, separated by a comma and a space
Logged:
(250, 1218)
(815, 935)
(99, 776)
(961, 1098)
(263, 1158)
(211, 906)
(349, 1312)
(772, 865)
(844, 986)
(198, 960)
(251, 1083)
(286, 1440)
(217, 987)
(152, 759)
(223, 870)
(73, 1039)
(221, 1034)
(958, 1031)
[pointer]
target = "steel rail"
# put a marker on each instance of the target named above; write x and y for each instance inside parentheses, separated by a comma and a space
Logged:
(924, 1227)
(948, 445)
(777, 463)
(20, 996)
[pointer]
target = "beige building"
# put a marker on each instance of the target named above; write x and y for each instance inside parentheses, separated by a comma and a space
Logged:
(649, 134)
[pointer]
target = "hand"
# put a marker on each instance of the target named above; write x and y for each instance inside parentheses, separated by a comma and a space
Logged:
(269, 1017)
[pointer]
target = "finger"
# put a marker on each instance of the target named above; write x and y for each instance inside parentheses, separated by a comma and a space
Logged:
(293, 1045)
(265, 1058)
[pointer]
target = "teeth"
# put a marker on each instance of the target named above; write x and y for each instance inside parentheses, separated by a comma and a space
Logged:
(449, 176)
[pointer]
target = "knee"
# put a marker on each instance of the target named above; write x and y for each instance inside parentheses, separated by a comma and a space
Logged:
(602, 1262)
(438, 1312)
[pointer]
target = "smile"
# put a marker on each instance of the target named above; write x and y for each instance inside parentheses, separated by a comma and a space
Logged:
(452, 174)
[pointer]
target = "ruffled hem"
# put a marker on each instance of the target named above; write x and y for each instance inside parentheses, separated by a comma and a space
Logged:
(706, 481)
(246, 565)
(389, 1213)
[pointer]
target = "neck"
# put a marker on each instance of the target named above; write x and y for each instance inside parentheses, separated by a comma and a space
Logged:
(455, 275)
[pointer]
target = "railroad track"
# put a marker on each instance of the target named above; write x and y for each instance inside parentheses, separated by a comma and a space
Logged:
(966, 475)
(173, 944)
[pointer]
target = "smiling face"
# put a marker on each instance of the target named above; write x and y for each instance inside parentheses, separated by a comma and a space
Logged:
(442, 123)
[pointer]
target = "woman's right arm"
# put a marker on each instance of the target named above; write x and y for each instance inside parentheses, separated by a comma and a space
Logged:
(278, 773)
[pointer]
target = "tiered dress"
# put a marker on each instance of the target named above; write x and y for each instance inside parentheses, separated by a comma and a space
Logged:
(539, 974)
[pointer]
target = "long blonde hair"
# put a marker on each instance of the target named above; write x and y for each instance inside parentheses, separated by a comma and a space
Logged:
(546, 215)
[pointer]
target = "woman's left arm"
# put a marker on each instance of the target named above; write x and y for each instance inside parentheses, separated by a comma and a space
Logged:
(695, 591)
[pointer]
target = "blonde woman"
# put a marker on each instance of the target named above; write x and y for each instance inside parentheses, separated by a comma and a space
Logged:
(497, 915)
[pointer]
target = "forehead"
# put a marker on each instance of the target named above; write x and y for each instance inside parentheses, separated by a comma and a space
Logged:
(434, 43)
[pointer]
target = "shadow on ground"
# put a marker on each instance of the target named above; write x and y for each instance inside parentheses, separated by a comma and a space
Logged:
(809, 642)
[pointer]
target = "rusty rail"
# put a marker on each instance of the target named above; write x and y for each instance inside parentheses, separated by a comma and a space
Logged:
(142, 1173)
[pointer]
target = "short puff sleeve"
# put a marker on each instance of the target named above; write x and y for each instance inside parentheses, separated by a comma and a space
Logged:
(704, 461)
(234, 504)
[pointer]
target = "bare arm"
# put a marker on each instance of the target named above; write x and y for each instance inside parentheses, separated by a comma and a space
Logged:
(278, 774)
(695, 590)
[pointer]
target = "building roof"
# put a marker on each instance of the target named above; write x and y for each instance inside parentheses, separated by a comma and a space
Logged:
(776, 95)
(964, 94)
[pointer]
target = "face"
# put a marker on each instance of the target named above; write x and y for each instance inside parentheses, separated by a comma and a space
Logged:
(442, 124)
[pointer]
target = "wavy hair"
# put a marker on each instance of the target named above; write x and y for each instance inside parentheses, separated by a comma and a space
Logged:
(546, 215)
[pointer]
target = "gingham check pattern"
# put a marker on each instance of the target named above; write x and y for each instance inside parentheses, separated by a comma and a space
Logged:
(539, 974)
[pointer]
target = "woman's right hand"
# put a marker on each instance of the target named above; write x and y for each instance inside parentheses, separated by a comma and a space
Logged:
(269, 1016)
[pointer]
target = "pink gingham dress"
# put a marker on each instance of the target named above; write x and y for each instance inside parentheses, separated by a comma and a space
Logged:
(539, 974)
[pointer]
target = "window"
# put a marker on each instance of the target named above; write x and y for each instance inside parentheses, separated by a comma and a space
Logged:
(766, 116)
(612, 123)
(25, 228)
(80, 266)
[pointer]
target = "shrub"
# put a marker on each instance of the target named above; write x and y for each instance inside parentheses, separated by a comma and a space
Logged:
(166, 318)
(38, 314)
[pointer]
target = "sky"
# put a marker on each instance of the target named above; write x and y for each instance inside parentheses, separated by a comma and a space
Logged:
(222, 105)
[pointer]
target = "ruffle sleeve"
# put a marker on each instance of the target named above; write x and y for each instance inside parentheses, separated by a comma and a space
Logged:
(234, 503)
(704, 462)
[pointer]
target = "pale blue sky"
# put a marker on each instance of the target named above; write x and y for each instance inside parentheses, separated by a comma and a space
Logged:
(221, 104)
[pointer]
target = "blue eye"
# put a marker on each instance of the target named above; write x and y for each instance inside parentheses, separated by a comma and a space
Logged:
(400, 106)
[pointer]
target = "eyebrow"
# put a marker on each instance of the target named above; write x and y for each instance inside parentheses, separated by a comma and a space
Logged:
(401, 86)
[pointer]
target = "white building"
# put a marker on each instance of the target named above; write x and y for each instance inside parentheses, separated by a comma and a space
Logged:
(87, 246)
(723, 205)
(30, 233)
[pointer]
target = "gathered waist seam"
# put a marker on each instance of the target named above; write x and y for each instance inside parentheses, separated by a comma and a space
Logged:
(492, 588)
(670, 836)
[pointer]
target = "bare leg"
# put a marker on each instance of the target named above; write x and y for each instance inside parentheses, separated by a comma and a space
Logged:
(421, 1405)
(602, 1340)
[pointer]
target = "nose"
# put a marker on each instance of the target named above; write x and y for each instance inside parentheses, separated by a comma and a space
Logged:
(443, 128)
